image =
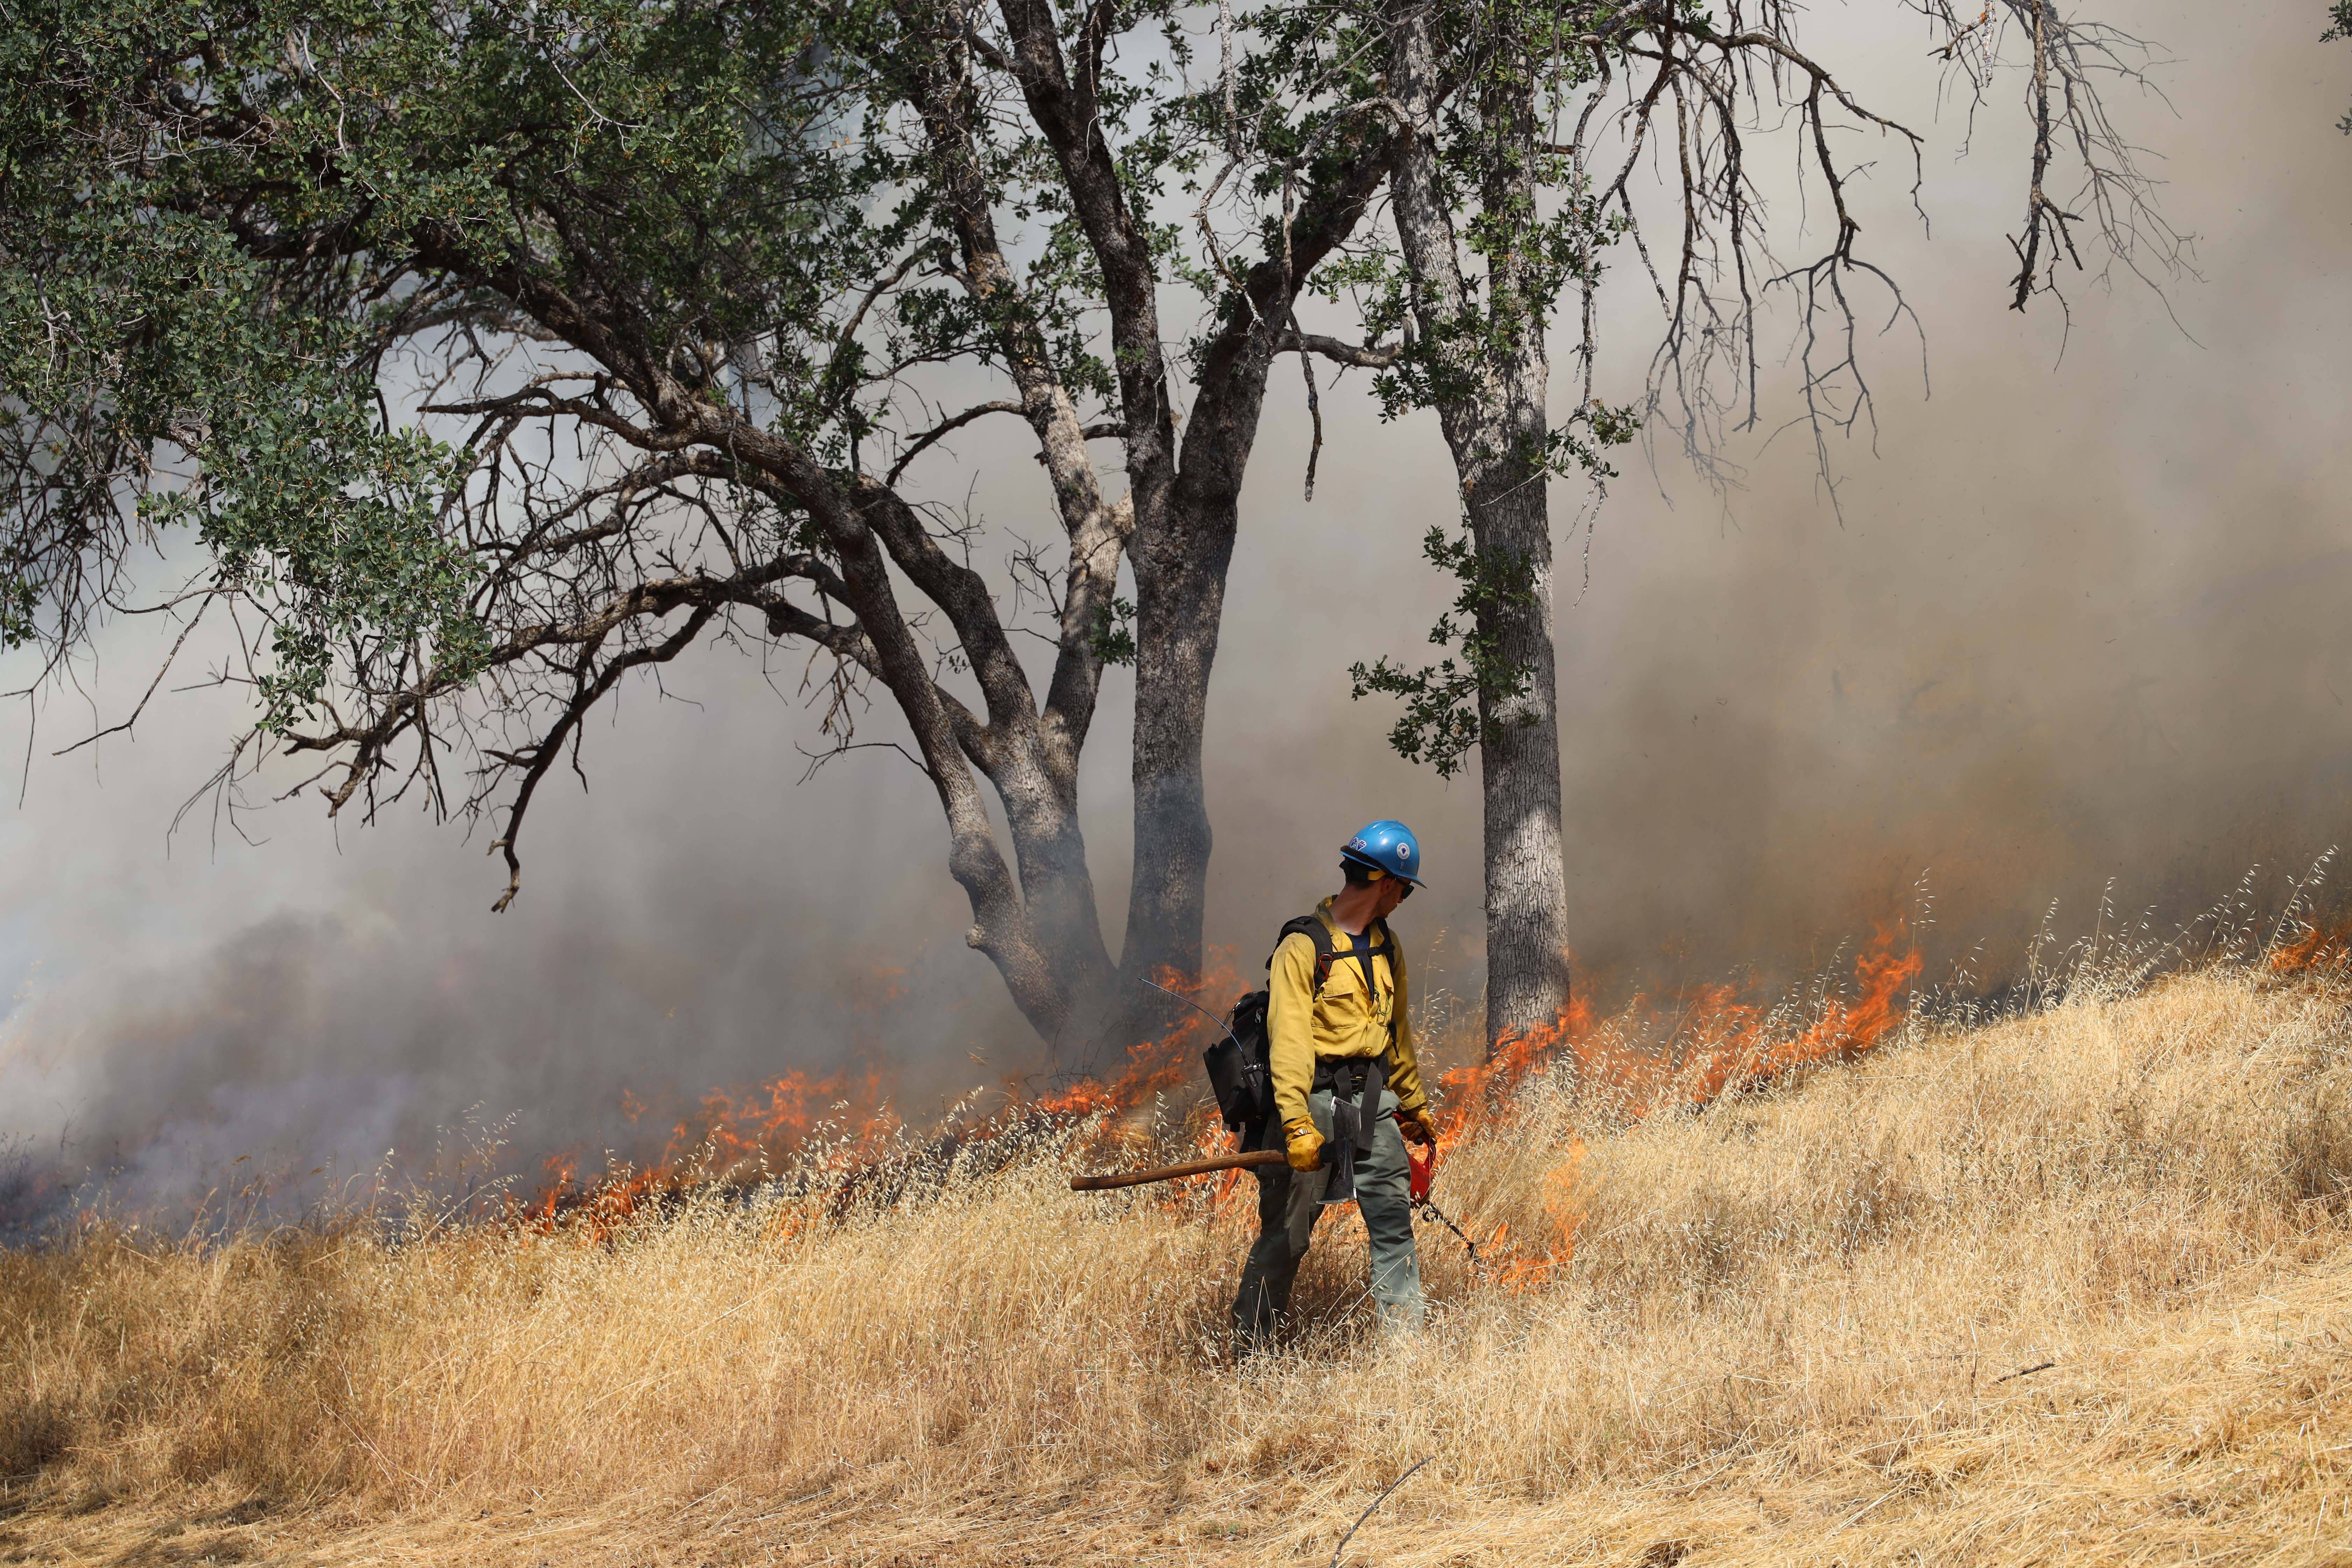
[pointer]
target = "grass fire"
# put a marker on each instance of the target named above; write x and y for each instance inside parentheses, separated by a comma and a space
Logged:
(696, 678)
(1867, 1282)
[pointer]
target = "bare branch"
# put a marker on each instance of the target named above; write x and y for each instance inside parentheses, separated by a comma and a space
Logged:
(590, 693)
(923, 442)
(162, 670)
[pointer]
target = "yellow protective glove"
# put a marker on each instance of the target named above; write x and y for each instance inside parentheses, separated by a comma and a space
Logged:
(1418, 1126)
(1305, 1146)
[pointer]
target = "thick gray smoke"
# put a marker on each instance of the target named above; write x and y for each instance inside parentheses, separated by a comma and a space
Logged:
(2081, 621)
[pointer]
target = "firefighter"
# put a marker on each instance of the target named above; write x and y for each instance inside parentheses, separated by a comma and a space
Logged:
(1336, 1029)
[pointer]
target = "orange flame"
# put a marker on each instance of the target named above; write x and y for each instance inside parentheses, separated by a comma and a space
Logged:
(1740, 1048)
(2319, 947)
(1520, 1272)
(1725, 1042)
(743, 1130)
(1719, 1044)
(1709, 1043)
(1154, 1067)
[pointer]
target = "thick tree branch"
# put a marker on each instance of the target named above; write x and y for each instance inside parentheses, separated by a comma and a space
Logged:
(1364, 356)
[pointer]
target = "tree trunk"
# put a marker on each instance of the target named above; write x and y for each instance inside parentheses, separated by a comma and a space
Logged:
(1518, 767)
(1494, 358)
(1180, 564)
(1186, 498)
(1058, 894)
(1180, 584)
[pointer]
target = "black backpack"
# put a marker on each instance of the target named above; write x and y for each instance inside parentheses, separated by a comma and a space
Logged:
(1240, 1070)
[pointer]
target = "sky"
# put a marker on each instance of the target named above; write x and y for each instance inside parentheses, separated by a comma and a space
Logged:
(2074, 631)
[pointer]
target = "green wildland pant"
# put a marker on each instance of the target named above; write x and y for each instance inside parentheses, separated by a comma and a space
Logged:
(1288, 1203)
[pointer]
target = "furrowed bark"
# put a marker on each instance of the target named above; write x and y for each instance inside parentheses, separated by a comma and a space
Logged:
(1186, 561)
(1496, 432)
(1520, 787)
(1186, 504)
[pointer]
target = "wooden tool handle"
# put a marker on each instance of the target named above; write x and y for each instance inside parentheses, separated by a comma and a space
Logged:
(1169, 1172)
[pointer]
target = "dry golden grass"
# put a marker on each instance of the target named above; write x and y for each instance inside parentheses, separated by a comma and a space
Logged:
(1792, 1329)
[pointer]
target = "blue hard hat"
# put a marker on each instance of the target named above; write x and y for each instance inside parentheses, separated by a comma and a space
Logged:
(1386, 846)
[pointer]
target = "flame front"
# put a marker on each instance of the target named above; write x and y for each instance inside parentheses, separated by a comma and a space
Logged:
(1642, 1058)
(1702, 1046)
(844, 1120)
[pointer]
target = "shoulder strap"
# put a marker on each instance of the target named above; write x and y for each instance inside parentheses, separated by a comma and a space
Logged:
(1387, 943)
(1313, 928)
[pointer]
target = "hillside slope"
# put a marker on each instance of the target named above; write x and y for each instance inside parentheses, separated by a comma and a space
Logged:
(2069, 1288)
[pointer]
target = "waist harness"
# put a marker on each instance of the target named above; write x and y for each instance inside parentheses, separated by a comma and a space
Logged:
(1355, 1083)
(1371, 1075)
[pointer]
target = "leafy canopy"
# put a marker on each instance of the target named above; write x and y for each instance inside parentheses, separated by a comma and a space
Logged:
(235, 239)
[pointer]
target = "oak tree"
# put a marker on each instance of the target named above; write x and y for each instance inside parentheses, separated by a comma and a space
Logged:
(471, 358)
(1531, 136)
(484, 354)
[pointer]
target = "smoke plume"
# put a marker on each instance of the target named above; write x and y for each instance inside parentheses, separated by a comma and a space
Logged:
(2073, 622)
